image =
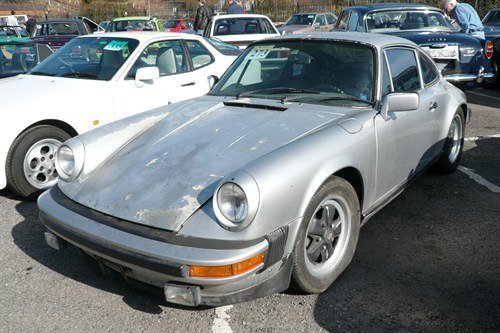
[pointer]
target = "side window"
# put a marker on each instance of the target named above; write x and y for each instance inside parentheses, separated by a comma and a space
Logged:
(321, 20)
(404, 70)
(386, 79)
(342, 23)
(199, 54)
(429, 72)
(168, 56)
(330, 19)
(353, 22)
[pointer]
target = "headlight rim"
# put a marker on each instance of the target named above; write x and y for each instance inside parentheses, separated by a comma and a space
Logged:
(78, 150)
(249, 186)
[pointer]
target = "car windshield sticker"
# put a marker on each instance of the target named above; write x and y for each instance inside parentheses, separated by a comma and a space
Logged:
(115, 45)
(260, 52)
(310, 16)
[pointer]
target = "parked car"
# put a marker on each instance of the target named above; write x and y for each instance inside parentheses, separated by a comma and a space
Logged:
(494, 83)
(91, 81)
(10, 33)
(104, 24)
(179, 25)
(134, 23)
(18, 57)
(56, 33)
(308, 22)
(491, 23)
(462, 59)
(226, 197)
(240, 29)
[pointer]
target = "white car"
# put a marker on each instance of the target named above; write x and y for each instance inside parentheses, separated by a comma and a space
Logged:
(94, 80)
(240, 29)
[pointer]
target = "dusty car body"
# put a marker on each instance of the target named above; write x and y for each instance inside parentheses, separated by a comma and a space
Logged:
(308, 22)
(226, 197)
(463, 59)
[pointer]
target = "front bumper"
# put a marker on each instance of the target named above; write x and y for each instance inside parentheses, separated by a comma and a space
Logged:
(165, 264)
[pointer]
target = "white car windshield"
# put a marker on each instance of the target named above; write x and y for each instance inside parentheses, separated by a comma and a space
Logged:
(96, 58)
(396, 20)
(317, 72)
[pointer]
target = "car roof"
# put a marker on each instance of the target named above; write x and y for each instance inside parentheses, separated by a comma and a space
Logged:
(133, 18)
(376, 40)
(392, 6)
(223, 16)
(61, 21)
(143, 35)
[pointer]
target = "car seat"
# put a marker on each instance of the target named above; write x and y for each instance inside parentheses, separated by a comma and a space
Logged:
(412, 23)
(252, 28)
(111, 60)
(19, 63)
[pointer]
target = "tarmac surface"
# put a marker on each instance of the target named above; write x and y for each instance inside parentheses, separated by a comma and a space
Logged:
(427, 262)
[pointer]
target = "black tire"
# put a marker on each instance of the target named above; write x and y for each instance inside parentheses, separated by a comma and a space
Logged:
(495, 82)
(47, 138)
(339, 198)
(453, 146)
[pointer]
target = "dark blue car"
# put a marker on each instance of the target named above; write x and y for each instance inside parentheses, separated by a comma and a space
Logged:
(462, 59)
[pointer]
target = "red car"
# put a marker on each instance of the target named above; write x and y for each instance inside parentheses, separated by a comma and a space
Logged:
(178, 25)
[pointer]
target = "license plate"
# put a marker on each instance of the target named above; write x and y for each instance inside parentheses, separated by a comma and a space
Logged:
(447, 52)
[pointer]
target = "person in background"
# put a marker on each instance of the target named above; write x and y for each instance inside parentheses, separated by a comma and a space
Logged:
(12, 20)
(203, 14)
(31, 24)
(234, 7)
(125, 14)
(466, 17)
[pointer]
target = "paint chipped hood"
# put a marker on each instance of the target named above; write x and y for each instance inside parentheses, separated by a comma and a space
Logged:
(164, 174)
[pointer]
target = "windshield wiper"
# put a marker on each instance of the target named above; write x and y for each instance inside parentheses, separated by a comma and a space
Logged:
(278, 90)
(345, 98)
(41, 73)
(79, 75)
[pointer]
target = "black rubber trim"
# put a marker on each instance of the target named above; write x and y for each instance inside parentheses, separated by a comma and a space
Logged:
(277, 241)
(255, 106)
(103, 248)
(157, 234)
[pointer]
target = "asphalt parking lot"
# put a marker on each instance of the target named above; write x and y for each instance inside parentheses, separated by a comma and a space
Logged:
(428, 262)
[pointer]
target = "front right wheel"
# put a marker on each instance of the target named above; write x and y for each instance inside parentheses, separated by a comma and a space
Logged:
(327, 238)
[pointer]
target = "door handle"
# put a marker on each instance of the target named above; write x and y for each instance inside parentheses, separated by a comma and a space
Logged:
(433, 105)
(188, 84)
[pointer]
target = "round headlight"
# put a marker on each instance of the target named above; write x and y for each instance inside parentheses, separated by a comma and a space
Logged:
(66, 160)
(232, 202)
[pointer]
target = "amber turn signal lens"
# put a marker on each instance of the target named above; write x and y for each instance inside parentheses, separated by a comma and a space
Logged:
(227, 270)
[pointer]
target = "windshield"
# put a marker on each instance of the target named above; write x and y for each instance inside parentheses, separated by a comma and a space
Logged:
(57, 29)
(301, 19)
(170, 24)
(224, 48)
(397, 20)
(318, 72)
(132, 25)
(242, 25)
(96, 58)
(492, 18)
(17, 59)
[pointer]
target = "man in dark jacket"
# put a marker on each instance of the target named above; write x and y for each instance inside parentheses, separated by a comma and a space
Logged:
(31, 25)
(203, 14)
(234, 7)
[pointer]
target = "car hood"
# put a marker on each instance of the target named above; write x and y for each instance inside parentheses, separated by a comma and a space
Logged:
(291, 28)
(166, 173)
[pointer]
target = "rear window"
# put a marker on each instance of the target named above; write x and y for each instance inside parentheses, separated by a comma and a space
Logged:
(224, 48)
(243, 25)
(132, 25)
(57, 29)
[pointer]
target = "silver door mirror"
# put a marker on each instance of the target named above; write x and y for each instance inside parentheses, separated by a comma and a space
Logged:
(144, 74)
(398, 102)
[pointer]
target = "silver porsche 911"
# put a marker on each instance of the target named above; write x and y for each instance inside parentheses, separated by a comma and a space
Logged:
(268, 178)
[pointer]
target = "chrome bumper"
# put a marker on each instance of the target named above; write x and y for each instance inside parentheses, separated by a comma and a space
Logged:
(481, 75)
(163, 264)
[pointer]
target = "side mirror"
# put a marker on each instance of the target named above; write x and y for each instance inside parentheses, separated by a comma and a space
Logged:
(146, 74)
(316, 25)
(399, 102)
(212, 80)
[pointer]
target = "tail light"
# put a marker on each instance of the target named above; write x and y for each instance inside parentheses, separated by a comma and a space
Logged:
(489, 49)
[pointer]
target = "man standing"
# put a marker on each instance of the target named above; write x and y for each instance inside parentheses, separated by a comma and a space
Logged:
(31, 24)
(466, 17)
(12, 20)
(234, 7)
(203, 14)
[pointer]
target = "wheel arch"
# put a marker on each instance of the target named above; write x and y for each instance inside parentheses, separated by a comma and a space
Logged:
(53, 122)
(466, 112)
(353, 177)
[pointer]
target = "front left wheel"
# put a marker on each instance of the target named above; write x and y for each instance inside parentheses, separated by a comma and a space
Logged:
(327, 238)
(30, 165)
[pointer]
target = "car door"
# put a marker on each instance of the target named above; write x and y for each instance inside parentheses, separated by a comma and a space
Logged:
(203, 64)
(404, 139)
(176, 81)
